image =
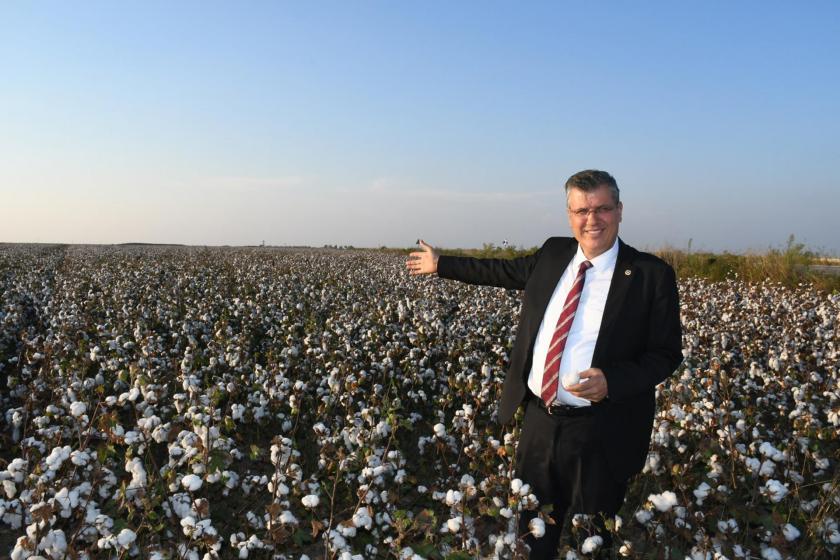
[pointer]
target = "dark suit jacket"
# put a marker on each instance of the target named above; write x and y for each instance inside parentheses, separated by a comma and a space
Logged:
(639, 344)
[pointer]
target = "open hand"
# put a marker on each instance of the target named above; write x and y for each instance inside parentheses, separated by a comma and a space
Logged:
(423, 261)
(592, 385)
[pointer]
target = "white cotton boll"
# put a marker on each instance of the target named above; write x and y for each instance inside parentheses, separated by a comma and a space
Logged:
(440, 430)
(347, 531)
(775, 490)
(515, 485)
(287, 518)
(54, 544)
(362, 518)
(16, 468)
(453, 497)
(133, 437)
(188, 525)
(310, 501)
(580, 519)
(78, 408)
(771, 553)
(191, 482)
(282, 489)
(697, 554)
(68, 501)
(767, 468)
(571, 378)
(702, 492)
(138, 472)
(809, 506)
(80, 458)
(454, 524)
(643, 516)
(651, 462)
(537, 527)
(507, 513)
(126, 537)
(664, 501)
(731, 526)
(10, 489)
(383, 428)
(57, 456)
(767, 449)
(591, 544)
(791, 533)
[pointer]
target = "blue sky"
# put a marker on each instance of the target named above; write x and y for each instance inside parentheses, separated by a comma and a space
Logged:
(373, 123)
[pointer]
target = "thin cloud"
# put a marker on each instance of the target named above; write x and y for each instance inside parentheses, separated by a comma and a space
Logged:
(251, 182)
(395, 187)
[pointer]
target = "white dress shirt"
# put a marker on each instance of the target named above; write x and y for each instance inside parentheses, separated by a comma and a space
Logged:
(580, 344)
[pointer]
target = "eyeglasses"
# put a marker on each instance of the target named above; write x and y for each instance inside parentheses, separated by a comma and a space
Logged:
(597, 211)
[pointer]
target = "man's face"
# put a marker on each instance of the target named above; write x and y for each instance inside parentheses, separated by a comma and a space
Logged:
(594, 218)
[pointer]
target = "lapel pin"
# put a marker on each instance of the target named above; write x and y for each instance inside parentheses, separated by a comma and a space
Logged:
(627, 272)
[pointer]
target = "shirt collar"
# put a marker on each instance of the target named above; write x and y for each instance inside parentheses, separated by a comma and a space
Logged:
(604, 261)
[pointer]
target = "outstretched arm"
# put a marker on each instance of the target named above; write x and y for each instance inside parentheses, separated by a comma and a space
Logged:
(424, 261)
(501, 273)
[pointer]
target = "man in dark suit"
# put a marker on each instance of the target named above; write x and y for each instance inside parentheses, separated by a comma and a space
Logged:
(598, 330)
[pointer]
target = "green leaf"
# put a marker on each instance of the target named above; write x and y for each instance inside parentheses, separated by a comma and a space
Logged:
(217, 461)
(428, 550)
(301, 537)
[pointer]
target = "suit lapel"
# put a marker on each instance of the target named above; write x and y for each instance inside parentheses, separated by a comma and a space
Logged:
(621, 280)
(558, 262)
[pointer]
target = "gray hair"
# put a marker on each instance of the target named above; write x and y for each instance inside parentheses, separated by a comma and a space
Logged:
(590, 180)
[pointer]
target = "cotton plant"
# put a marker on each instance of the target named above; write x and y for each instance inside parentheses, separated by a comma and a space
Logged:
(250, 402)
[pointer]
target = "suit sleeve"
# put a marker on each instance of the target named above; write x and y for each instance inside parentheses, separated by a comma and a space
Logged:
(663, 348)
(512, 274)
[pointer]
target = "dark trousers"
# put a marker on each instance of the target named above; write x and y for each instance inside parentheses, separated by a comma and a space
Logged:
(563, 461)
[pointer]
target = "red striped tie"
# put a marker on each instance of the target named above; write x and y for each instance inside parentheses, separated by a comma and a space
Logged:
(551, 372)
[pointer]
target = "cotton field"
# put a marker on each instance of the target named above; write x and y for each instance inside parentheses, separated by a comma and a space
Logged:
(169, 402)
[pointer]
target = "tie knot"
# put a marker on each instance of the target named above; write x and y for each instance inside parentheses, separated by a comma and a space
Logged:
(584, 266)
